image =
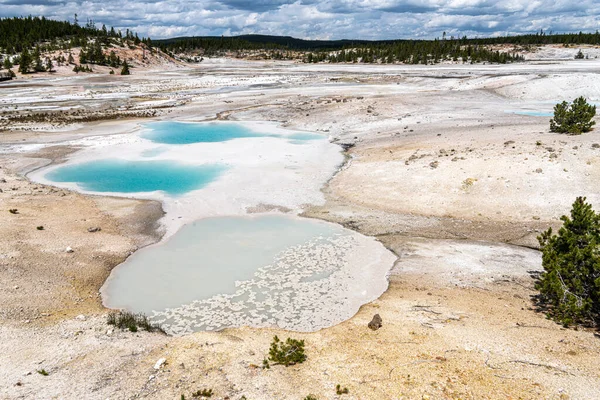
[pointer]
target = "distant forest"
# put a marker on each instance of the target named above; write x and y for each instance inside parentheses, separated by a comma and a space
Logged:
(249, 42)
(381, 51)
(31, 37)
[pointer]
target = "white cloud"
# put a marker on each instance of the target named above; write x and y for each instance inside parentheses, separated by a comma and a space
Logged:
(326, 19)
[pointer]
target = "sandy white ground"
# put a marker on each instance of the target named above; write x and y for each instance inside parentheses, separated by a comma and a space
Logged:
(459, 321)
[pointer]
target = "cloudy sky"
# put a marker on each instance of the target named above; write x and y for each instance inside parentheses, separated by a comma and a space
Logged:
(322, 19)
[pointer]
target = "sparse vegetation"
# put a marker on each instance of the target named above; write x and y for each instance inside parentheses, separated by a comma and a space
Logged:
(203, 393)
(570, 284)
(40, 228)
(132, 322)
(310, 397)
(467, 183)
(573, 118)
(339, 390)
(579, 55)
(42, 372)
(82, 68)
(285, 353)
(13, 211)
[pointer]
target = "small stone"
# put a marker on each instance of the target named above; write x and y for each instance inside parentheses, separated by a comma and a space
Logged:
(538, 171)
(596, 146)
(69, 250)
(160, 363)
(80, 317)
(434, 164)
(376, 322)
(94, 229)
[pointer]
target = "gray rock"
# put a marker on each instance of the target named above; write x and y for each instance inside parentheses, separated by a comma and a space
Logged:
(376, 322)
(94, 229)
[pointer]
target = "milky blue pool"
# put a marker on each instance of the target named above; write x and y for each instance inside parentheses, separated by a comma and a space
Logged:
(207, 258)
(113, 175)
(269, 270)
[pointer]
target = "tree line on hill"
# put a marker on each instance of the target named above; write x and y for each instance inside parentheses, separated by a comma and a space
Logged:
(19, 32)
(26, 41)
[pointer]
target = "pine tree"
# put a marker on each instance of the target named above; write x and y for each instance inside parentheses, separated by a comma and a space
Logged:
(38, 66)
(49, 65)
(25, 61)
(575, 118)
(125, 70)
(7, 63)
(570, 283)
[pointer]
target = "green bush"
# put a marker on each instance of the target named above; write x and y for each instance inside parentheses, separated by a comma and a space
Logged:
(285, 353)
(132, 322)
(574, 118)
(570, 284)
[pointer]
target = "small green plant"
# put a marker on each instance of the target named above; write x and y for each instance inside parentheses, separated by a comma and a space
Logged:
(569, 286)
(579, 55)
(310, 397)
(42, 372)
(286, 353)
(40, 228)
(266, 364)
(203, 393)
(574, 118)
(339, 390)
(13, 211)
(131, 321)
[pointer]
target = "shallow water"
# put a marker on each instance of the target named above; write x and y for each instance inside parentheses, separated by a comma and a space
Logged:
(181, 133)
(268, 270)
(187, 133)
(122, 176)
(532, 113)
